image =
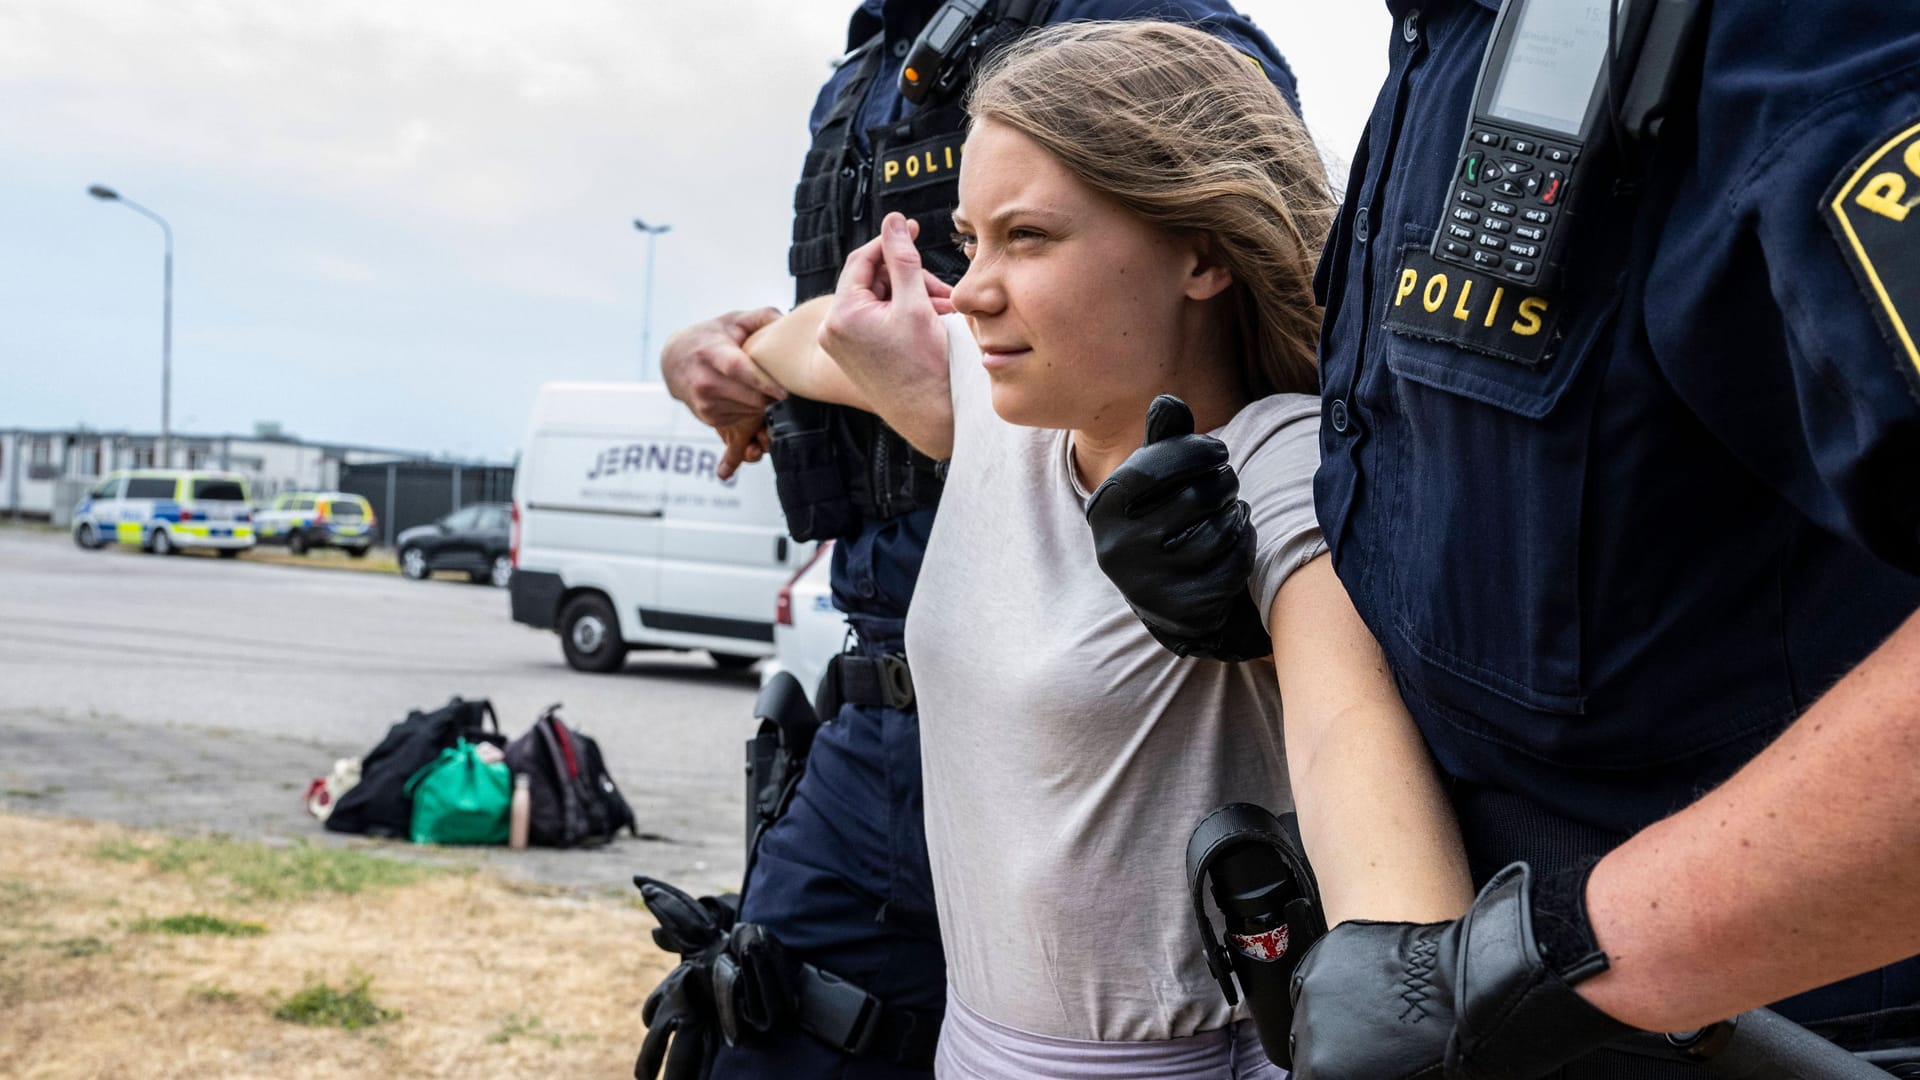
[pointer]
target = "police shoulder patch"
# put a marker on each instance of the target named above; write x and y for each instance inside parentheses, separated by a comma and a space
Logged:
(1870, 207)
(1447, 303)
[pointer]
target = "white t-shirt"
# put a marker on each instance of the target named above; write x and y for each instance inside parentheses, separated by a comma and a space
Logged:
(1067, 755)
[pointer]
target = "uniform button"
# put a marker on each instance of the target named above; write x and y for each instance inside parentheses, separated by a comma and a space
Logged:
(866, 589)
(900, 47)
(1410, 26)
(1362, 227)
(1337, 414)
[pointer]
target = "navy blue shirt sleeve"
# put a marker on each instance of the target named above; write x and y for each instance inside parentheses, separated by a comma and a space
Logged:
(1216, 17)
(1805, 171)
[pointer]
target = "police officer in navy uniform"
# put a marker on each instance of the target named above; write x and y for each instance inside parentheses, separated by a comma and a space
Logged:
(841, 879)
(1642, 551)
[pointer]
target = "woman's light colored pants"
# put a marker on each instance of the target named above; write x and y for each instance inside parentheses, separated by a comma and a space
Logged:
(973, 1047)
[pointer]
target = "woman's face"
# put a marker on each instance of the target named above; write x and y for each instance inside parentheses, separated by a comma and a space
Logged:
(1082, 310)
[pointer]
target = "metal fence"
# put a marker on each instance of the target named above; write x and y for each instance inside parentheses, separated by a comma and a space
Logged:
(407, 494)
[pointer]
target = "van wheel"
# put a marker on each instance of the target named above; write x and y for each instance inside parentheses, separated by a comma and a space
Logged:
(727, 661)
(297, 542)
(162, 544)
(84, 537)
(590, 636)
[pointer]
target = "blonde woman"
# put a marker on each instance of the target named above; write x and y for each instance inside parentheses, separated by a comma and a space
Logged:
(1141, 212)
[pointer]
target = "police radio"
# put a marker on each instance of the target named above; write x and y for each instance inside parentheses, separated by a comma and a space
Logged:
(1561, 81)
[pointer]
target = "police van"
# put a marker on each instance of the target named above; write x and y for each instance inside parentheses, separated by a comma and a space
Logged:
(625, 537)
(166, 511)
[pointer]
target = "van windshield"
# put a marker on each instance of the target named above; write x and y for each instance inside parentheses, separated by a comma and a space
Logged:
(150, 487)
(218, 491)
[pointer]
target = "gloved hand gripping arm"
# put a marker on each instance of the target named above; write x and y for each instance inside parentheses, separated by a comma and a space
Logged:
(1488, 996)
(1172, 533)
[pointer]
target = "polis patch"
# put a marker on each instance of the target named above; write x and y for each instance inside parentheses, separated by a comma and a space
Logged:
(1873, 209)
(1441, 302)
(930, 161)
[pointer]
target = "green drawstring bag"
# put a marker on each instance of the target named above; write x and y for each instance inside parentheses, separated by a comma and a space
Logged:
(460, 799)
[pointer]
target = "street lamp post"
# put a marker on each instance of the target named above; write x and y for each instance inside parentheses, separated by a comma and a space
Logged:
(107, 194)
(646, 325)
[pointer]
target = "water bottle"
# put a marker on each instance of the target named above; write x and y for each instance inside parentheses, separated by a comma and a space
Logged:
(520, 813)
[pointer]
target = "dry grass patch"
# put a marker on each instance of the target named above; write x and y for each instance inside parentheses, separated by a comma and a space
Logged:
(128, 953)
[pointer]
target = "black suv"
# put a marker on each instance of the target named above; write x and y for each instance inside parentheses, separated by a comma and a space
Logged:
(475, 539)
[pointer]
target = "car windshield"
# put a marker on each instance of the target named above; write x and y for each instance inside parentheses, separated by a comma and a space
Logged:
(219, 491)
(345, 510)
(462, 519)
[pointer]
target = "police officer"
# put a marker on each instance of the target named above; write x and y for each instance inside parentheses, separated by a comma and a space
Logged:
(1642, 545)
(841, 879)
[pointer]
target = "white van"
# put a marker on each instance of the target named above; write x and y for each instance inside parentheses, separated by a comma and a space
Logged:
(625, 537)
(165, 511)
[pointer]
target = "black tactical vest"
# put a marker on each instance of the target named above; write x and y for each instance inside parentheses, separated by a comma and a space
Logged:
(837, 468)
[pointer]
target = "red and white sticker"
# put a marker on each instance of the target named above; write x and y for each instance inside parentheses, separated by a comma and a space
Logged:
(1269, 946)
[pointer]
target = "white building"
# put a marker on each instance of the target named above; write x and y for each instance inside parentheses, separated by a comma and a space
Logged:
(43, 473)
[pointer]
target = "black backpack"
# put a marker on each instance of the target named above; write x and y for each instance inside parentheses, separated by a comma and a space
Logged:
(379, 804)
(574, 802)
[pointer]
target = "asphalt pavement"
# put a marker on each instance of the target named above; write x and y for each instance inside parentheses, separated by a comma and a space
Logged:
(193, 693)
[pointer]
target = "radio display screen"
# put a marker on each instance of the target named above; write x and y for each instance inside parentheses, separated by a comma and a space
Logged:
(1552, 65)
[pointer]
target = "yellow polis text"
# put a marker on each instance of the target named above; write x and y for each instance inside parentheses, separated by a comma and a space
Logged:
(1476, 300)
(921, 163)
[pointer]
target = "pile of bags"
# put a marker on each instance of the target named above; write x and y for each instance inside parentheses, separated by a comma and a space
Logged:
(450, 777)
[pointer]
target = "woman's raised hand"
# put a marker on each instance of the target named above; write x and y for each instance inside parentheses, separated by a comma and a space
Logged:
(885, 321)
(883, 334)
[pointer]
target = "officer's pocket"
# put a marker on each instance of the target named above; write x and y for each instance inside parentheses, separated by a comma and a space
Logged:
(1487, 488)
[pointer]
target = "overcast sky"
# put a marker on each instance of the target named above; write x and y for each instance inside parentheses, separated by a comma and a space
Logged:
(394, 219)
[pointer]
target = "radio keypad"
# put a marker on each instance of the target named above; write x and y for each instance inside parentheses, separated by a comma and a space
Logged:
(1528, 181)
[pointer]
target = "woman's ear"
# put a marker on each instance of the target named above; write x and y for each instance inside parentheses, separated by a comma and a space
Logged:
(1210, 276)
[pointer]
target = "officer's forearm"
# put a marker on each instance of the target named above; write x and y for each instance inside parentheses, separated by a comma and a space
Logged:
(1378, 830)
(1802, 869)
(789, 352)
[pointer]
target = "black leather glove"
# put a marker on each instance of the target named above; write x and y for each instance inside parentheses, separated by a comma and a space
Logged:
(683, 1032)
(1171, 531)
(681, 1036)
(1473, 999)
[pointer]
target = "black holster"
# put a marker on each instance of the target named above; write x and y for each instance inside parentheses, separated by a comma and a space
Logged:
(1266, 891)
(776, 756)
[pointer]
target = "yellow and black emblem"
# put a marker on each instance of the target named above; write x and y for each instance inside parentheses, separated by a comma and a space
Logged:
(929, 161)
(1443, 302)
(1873, 209)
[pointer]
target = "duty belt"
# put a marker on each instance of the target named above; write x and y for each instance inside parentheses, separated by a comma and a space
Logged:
(874, 680)
(847, 1017)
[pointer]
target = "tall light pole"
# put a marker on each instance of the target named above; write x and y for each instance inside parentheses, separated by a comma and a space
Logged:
(107, 194)
(646, 326)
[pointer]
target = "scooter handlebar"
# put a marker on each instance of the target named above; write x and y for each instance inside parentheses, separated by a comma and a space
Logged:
(1763, 1045)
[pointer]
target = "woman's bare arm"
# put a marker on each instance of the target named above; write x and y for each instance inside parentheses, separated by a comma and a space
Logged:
(789, 351)
(877, 344)
(1377, 827)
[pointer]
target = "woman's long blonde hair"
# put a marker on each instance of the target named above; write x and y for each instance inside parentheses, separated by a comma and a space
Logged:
(1181, 129)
